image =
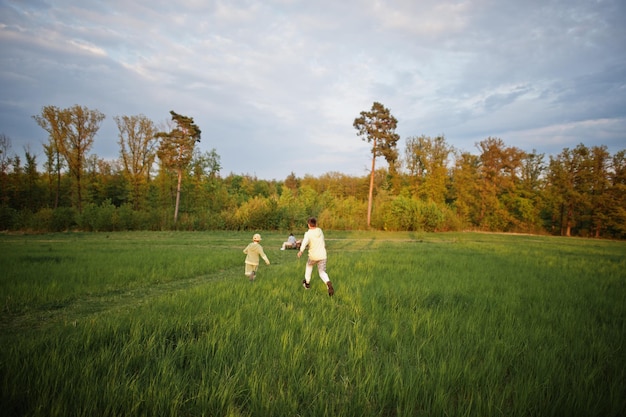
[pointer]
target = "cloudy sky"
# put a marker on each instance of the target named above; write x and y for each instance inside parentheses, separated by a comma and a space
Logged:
(275, 85)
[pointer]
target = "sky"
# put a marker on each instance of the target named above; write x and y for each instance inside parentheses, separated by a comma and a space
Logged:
(275, 85)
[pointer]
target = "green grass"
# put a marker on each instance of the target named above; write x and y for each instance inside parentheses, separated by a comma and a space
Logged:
(146, 324)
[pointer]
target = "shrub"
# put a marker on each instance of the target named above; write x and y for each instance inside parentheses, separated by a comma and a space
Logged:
(346, 214)
(63, 218)
(7, 217)
(125, 218)
(43, 220)
(23, 220)
(97, 218)
(430, 216)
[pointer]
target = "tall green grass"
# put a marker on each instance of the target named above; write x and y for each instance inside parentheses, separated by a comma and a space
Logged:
(421, 324)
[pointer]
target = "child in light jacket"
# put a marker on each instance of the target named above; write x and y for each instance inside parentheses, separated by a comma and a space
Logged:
(253, 251)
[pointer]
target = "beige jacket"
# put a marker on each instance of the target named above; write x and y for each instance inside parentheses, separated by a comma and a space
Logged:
(253, 251)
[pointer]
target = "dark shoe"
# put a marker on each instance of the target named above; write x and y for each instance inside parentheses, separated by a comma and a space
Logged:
(252, 276)
(305, 284)
(331, 290)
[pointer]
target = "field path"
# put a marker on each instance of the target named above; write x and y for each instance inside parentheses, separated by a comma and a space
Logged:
(78, 309)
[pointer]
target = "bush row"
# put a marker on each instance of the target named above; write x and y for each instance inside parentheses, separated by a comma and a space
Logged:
(398, 214)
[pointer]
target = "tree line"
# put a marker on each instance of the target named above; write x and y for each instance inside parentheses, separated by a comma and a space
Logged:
(161, 181)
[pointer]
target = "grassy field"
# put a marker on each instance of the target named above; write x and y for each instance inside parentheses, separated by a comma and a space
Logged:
(166, 324)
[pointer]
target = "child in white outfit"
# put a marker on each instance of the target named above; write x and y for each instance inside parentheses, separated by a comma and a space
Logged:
(314, 239)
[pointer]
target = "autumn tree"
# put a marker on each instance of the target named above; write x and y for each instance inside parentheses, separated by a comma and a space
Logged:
(73, 131)
(83, 124)
(500, 168)
(377, 127)
(292, 182)
(176, 149)
(138, 143)
(464, 190)
(54, 121)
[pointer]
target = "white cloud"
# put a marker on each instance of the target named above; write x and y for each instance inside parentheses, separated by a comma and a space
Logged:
(430, 19)
(283, 80)
(88, 47)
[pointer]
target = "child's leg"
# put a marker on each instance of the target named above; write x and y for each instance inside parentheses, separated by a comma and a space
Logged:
(321, 269)
(251, 270)
(308, 271)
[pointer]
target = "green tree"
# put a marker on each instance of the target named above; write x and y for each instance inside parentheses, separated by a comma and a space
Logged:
(599, 162)
(205, 168)
(15, 185)
(177, 148)
(568, 184)
(530, 193)
(377, 127)
(53, 167)
(532, 171)
(5, 146)
(33, 191)
(106, 182)
(138, 142)
(427, 162)
(616, 222)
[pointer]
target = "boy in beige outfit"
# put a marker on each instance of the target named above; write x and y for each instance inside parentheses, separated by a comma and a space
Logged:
(253, 251)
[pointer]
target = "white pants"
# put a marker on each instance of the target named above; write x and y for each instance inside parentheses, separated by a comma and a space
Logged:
(321, 269)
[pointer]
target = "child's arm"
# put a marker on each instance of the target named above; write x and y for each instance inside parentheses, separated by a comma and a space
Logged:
(304, 244)
(263, 255)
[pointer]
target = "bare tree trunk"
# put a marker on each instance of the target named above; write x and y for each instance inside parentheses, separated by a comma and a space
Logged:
(562, 212)
(568, 231)
(371, 194)
(135, 181)
(79, 193)
(58, 190)
(180, 180)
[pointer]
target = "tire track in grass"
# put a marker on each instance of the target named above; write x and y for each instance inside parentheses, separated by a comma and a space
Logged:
(69, 312)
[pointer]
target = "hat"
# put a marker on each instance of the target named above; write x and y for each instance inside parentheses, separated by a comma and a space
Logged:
(256, 237)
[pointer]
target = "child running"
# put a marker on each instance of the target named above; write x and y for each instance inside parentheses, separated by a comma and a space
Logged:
(253, 251)
(314, 239)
